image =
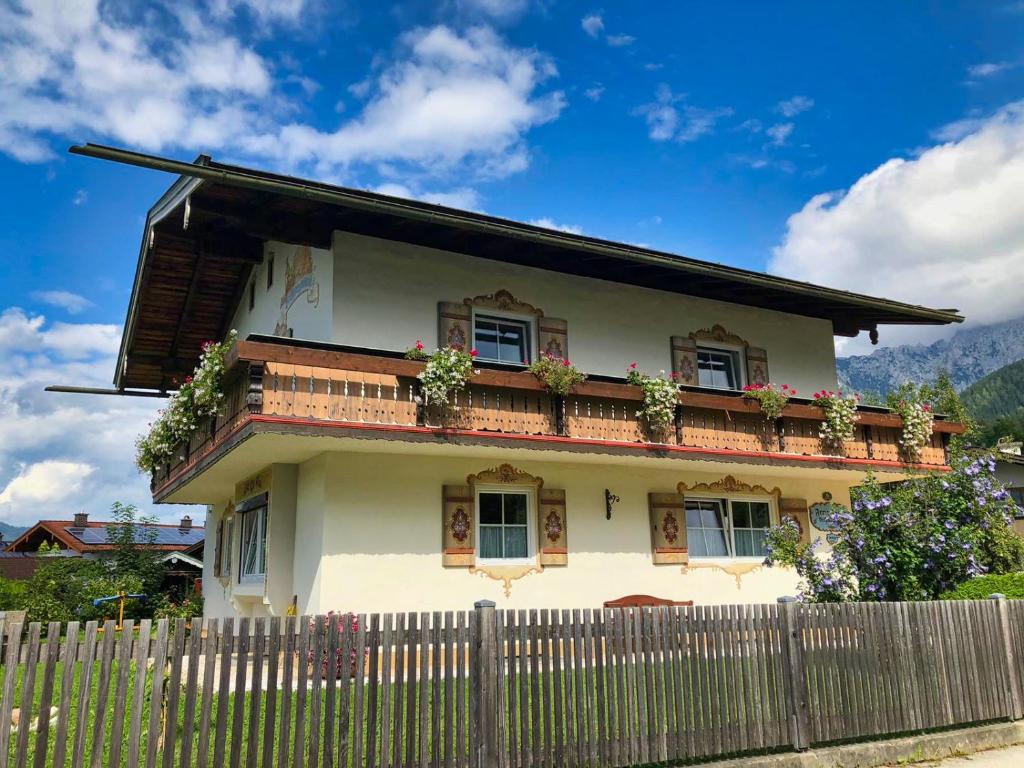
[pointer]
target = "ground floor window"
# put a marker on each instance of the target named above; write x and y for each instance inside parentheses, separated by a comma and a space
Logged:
(1017, 497)
(254, 544)
(225, 540)
(503, 524)
(727, 527)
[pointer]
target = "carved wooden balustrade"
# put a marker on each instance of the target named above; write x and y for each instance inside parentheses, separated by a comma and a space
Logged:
(292, 383)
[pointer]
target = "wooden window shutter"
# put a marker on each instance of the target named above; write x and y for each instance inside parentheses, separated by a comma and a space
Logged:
(668, 528)
(218, 550)
(684, 359)
(757, 366)
(797, 509)
(458, 519)
(552, 533)
(553, 335)
(454, 325)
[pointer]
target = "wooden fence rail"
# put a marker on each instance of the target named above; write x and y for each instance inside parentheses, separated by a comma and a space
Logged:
(515, 689)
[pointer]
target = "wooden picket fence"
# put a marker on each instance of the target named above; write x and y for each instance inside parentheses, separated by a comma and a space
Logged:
(515, 689)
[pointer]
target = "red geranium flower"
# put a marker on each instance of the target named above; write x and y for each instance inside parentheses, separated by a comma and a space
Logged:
(472, 352)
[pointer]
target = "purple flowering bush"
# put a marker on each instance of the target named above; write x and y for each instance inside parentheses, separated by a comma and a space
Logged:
(913, 540)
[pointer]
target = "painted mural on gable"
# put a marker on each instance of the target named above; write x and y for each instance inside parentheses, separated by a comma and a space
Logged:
(300, 283)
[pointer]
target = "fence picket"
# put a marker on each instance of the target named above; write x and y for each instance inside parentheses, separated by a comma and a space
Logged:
(270, 716)
(173, 694)
(68, 664)
(28, 688)
(123, 655)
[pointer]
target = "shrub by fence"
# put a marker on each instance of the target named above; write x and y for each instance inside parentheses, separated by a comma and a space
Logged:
(516, 689)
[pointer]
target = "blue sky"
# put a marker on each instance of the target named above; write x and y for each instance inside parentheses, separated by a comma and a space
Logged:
(872, 146)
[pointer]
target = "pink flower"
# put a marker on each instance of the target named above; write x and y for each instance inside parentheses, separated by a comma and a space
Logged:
(472, 352)
(792, 391)
(525, 362)
(419, 344)
(632, 366)
(565, 363)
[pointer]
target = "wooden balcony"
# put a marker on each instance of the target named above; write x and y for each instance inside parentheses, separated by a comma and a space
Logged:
(376, 394)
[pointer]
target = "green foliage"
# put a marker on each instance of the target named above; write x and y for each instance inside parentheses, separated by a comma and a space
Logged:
(996, 401)
(912, 540)
(185, 607)
(557, 374)
(944, 400)
(1009, 584)
(12, 594)
(63, 588)
(134, 559)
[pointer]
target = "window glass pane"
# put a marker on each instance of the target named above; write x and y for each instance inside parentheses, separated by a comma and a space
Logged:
(704, 530)
(741, 514)
(515, 541)
(490, 509)
(251, 544)
(710, 516)
(512, 343)
(716, 368)
(490, 541)
(760, 517)
(715, 540)
(486, 339)
(515, 508)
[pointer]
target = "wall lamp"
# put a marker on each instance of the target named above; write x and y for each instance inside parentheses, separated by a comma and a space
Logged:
(609, 499)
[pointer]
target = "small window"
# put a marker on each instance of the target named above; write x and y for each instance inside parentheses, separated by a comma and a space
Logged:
(270, 273)
(719, 368)
(502, 339)
(727, 528)
(504, 525)
(252, 295)
(254, 544)
(227, 533)
(1017, 497)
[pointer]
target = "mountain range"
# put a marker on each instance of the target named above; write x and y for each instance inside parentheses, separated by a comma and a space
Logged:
(10, 532)
(968, 355)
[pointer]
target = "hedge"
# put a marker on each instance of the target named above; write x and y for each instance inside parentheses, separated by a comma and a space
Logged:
(1009, 584)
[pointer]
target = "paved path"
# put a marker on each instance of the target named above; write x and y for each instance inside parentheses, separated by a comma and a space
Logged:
(1010, 757)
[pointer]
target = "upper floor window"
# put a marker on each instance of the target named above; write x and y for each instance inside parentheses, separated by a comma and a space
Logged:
(727, 527)
(719, 367)
(505, 534)
(501, 339)
(253, 549)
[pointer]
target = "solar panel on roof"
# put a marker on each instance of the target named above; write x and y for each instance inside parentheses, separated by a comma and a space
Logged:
(163, 536)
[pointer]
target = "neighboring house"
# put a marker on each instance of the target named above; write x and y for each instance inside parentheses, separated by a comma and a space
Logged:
(185, 569)
(330, 487)
(1010, 472)
(90, 538)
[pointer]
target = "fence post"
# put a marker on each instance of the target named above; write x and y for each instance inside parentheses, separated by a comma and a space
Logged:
(1016, 701)
(795, 677)
(485, 666)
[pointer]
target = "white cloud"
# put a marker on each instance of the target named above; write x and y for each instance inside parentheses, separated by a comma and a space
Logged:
(548, 223)
(778, 133)
(446, 102)
(80, 197)
(593, 24)
(594, 93)
(461, 197)
(943, 228)
(794, 106)
(501, 10)
(63, 453)
(66, 300)
(619, 41)
(668, 118)
(45, 482)
(454, 101)
(988, 69)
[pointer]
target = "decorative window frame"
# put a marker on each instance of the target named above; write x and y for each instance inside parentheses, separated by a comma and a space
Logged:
(717, 337)
(502, 304)
(505, 477)
(730, 489)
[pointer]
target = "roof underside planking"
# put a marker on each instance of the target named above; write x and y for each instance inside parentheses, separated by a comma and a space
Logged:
(205, 235)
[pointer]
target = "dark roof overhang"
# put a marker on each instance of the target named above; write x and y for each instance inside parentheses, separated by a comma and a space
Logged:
(205, 234)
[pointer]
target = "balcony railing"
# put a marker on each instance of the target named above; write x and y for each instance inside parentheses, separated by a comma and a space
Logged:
(295, 383)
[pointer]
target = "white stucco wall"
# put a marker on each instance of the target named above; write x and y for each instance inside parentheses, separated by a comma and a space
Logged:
(369, 538)
(302, 302)
(386, 295)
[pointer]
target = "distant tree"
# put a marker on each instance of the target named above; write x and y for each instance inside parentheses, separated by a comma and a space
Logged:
(135, 559)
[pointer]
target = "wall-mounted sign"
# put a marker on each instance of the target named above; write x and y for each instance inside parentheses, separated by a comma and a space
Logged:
(821, 515)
